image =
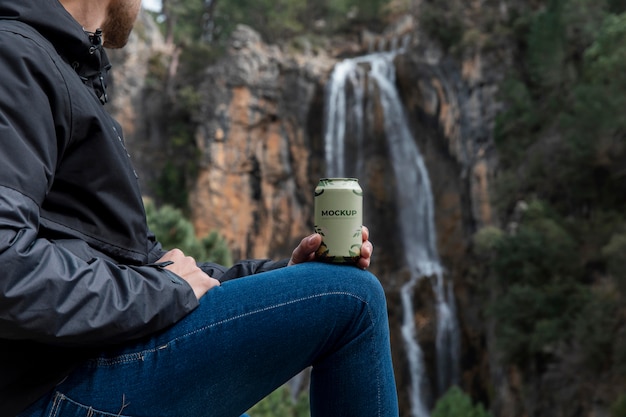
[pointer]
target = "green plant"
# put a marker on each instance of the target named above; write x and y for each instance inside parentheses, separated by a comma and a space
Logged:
(540, 290)
(486, 239)
(594, 329)
(559, 279)
(173, 230)
(618, 408)
(455, 403)
(280, 404)
(443, 21)
(613, 253)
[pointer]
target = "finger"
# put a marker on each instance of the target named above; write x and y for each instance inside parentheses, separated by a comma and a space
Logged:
(367, 249)
(363, 263)
(172, 255)
(365, 233)
(306, 249)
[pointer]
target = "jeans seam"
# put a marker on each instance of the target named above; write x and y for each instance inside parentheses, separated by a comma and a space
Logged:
(139, 356)
(56, 403)
(60, 397)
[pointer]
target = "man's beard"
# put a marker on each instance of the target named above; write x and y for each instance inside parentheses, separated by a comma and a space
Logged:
(121, 17)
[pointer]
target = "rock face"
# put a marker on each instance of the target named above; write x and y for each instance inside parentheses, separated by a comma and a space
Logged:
(257, 171)
(137, 101)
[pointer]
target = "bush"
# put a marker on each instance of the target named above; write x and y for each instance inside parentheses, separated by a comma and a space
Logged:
(280, 404)
(455, 403)
(486, 240)
(541, 250)
(443, 21)
(595, 330)
(540, 290)
(618, 409)
(173, 230)
(613, 254)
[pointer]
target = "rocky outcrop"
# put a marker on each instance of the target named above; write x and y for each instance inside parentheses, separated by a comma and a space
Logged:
(137, 101)
(260, 110)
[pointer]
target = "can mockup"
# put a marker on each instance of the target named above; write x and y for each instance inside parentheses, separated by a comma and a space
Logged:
(339, 219)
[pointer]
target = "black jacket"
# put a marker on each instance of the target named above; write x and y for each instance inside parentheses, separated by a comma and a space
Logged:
(76, 257)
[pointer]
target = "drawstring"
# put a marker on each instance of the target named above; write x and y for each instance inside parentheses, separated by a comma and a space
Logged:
(99, 84)
(96, 37)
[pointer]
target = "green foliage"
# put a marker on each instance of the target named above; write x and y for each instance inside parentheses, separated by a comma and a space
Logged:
(173, 230)
(532, 320)
(277, 20)
(455, 403)
(541, 249)
(486, 240)
(565, 91)
(547, 52)
(280, 404)
(171, 185)
(561, 138)
(613, 253)
(180, 170)
(443, 21)
(540, 281)
(272, 18)
(595, 330)
(185, 19)
(618, 408)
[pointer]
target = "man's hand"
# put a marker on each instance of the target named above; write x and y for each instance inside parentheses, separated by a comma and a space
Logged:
(306, 250)
(186, 268)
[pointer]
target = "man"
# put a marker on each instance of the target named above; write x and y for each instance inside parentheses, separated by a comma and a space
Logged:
(95, 318)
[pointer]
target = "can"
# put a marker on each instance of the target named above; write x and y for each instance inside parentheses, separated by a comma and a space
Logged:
(339, 219)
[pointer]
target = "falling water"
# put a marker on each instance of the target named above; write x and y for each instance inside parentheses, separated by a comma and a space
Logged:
(415, 202)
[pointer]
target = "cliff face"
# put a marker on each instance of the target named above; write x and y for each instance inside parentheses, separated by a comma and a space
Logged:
(257, 172)
(135, 102)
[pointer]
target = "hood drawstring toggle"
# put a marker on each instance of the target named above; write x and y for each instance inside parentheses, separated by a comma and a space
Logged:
(99, 84)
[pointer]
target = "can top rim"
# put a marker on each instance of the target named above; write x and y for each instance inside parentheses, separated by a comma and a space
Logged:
(338, 179)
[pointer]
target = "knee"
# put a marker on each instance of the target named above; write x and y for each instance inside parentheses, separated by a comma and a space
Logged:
(360, 284)
(375, 290)
(365, 285)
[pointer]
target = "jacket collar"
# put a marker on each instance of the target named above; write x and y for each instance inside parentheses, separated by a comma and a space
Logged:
(82, 50)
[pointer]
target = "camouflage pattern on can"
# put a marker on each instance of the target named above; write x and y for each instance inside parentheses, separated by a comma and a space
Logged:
(339, 218)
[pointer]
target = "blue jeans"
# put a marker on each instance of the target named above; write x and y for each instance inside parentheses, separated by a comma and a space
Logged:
(247, 338)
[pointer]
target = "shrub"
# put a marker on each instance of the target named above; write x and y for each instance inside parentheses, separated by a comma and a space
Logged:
(595, 330)
(280, 404)
(618, 409)
(613, 253)
(455, 403)
(486, 240)
(173, 230)
(540, 289)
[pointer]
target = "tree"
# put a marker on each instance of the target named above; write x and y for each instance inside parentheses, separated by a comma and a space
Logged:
(173, 230)
(455, 403)
(280, 404)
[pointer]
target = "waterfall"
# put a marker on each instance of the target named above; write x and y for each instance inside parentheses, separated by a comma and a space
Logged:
(374, 75)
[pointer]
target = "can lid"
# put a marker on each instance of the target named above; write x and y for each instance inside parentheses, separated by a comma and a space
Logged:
(338, 179)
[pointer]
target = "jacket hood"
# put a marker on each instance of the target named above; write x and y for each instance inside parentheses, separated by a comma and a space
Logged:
(82, 50)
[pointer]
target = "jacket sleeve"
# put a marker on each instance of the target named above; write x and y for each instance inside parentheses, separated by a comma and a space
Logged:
(49, 294)
(250, 267)
(220, 272)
